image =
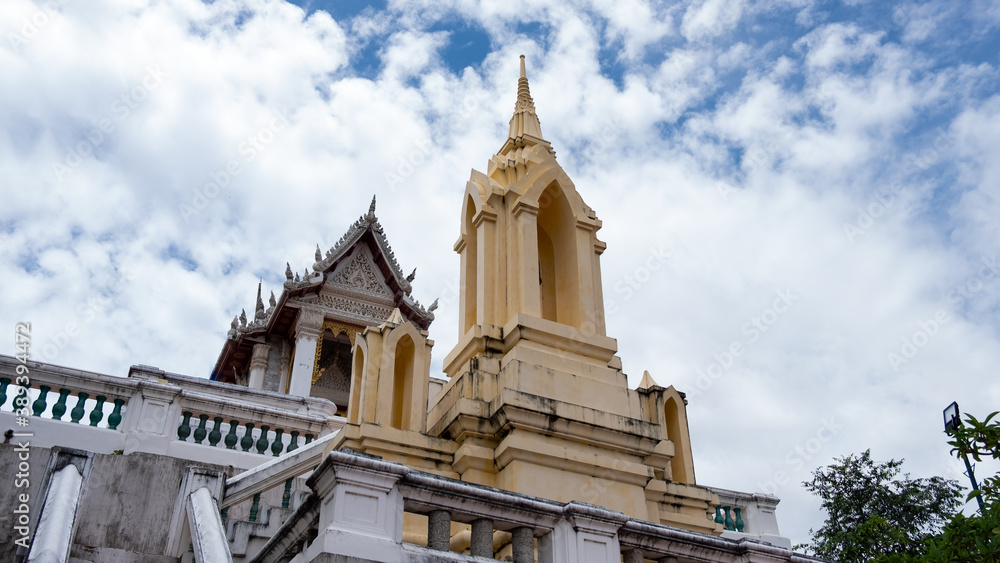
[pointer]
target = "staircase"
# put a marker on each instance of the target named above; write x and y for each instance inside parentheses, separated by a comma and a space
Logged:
(246, 538)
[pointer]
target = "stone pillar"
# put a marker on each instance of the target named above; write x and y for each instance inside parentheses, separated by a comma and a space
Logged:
(634, 556)
(258, 365)
(525, 261)
(439, 530)
(307, 332)
(482, 538)
(523, 545)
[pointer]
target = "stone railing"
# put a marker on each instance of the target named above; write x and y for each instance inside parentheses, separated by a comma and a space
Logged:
(749, 515)
(357, 505)
(162, 413)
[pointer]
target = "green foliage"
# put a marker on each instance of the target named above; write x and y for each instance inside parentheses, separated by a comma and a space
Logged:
(980, 439)
(873, 515)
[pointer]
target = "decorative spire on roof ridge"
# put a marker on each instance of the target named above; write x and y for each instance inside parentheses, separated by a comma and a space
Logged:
(525, 120)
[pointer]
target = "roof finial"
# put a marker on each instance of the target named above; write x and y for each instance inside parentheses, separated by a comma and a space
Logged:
(259, 312)
(371, 208)
(525, 121)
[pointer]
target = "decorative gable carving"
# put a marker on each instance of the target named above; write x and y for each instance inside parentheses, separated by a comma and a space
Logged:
(360, 275)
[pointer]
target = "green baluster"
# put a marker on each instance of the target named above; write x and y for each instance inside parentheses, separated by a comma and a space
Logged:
(739, 520)
(255, 507)
(4, 382)
(184, 430)
(116, 415)
(97, 415)
(309, 438)
(293, 442)
(201, 431)
(216, 434)
(59, 409)
(231, 438)
(262, 441)
(247, 442)
(38, 407)
(729, 519)
(718, 515)
(77, 413)
(287, 496)
(277, 446)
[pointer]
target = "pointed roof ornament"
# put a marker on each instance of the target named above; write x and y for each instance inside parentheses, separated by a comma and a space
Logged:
(319, 253)
(371, 208)
(259, 312)
(647, 381)
(412, 276)
(525, 120)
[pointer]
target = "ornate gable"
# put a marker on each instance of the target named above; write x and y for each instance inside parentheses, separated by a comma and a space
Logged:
(360, 274)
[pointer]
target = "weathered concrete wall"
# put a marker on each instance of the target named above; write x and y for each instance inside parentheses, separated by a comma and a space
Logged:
(126, 505)
(37, 460)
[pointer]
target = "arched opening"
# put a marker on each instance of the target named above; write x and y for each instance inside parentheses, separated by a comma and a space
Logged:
(357, 380)
(677, 433)
(470, 263)
(402, 384)
(559, 282)
(547, 276)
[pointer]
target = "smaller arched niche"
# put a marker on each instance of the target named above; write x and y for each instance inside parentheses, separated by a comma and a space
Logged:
(402, 384)
(681, 467)
(357, 380)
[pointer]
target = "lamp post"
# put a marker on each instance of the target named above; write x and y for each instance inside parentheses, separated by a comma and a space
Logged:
(953, 421)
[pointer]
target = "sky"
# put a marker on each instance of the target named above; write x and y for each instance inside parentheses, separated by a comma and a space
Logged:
(799, 198)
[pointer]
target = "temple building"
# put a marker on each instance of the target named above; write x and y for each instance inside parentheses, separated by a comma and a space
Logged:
(322, 435)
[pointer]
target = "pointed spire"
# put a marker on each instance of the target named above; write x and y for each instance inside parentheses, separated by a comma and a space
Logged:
(259, 312)
(319, 253)
(525, 120)
(412, 276)
(288, 271)
(272, 302)
(371, 208)
(647, 381)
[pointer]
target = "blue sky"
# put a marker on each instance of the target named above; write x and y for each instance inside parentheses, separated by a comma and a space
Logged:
(843, 151)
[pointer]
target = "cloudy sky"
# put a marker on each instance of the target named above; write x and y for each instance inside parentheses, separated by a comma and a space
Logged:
(799, 197)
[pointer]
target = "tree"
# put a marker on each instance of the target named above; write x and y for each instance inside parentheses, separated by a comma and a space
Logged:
(873, 515)
(974, 538)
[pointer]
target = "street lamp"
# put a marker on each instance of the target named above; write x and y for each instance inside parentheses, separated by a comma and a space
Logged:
(953, 421)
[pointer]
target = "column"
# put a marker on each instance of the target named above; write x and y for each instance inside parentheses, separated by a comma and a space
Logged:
(525, 266)
(258, 365)
(307, 332)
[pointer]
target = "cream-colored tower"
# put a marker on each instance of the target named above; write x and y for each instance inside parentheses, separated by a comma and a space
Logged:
(537, 401)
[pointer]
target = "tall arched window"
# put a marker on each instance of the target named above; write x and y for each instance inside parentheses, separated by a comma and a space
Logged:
(677, 433)
(471, 264)
(559, 281)
(357, 380)
(402, 384)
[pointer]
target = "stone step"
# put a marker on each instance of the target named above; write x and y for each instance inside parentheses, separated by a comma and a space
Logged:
(246, 538)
